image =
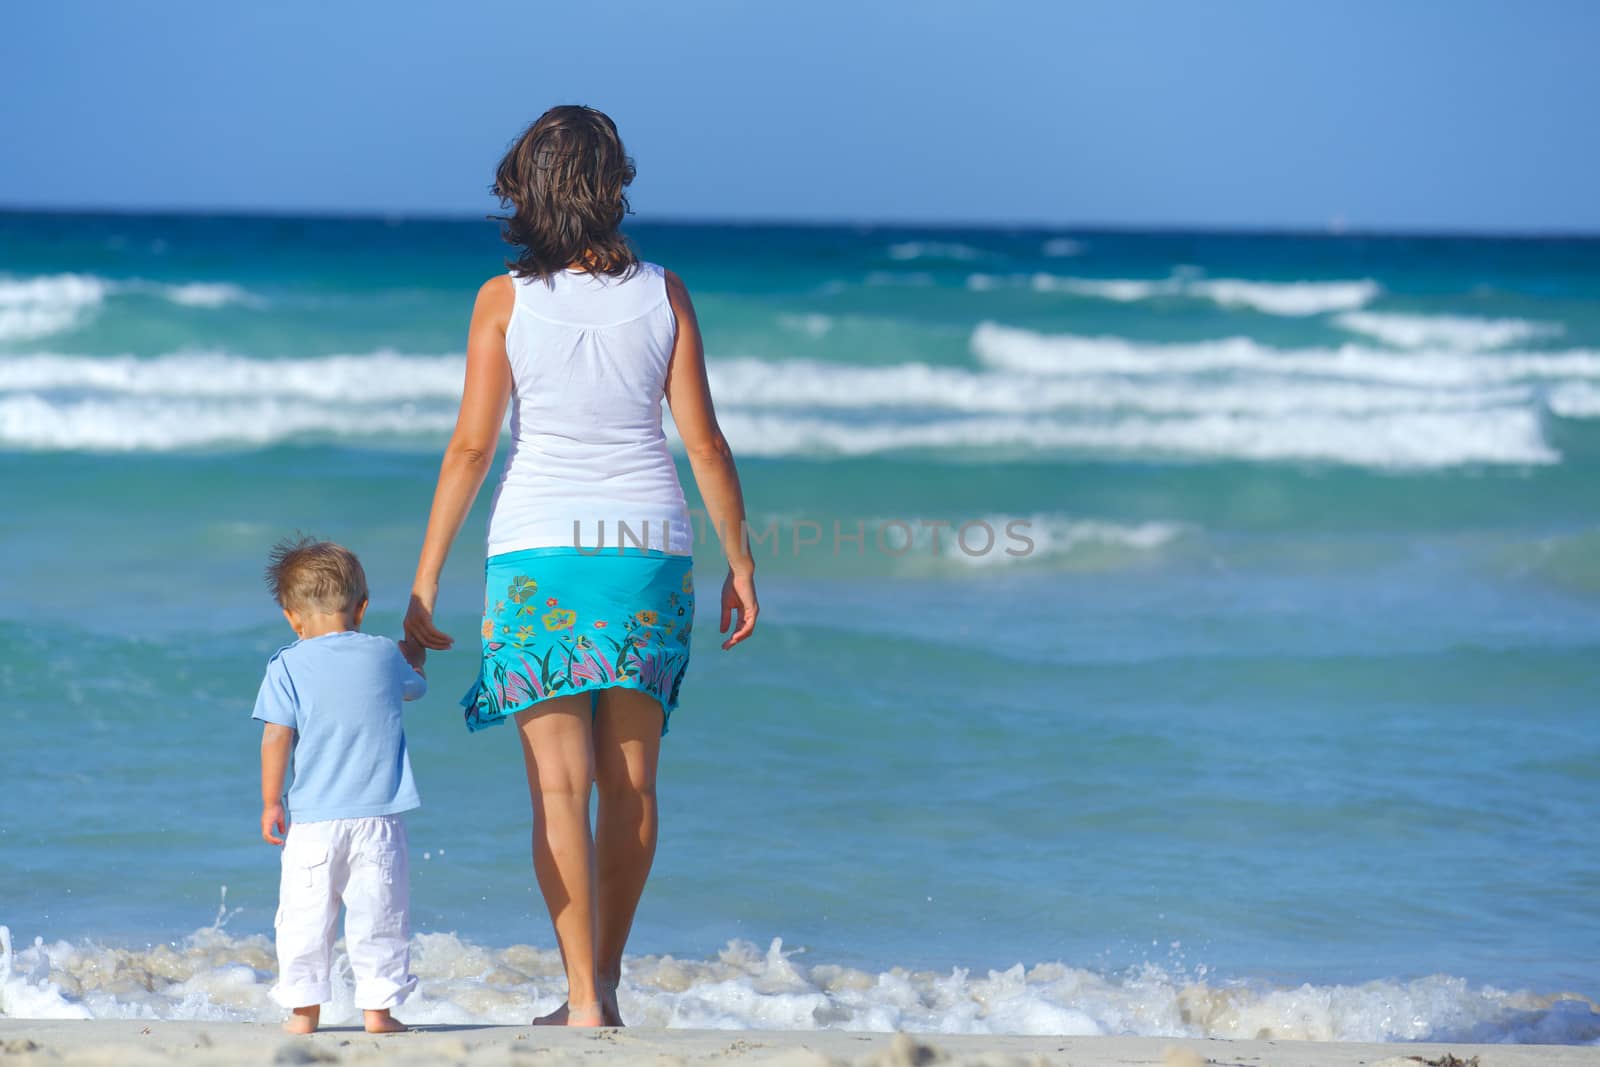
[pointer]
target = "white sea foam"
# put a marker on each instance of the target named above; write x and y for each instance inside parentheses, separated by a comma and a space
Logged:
(1033, 395)
(1024, 372)
(1056, 537)
(807, 384)
(208, 294)
(1411, 439)
(1286, 298)
(129, 424)
(39, 306)
(214, 976)
(42, 305)
(1461, 332)
(369, 378)
(1405, 439)
(1295, 299)
(206, 400)
(1008, 348)
(984, 541)
(1575, 400)
(1123, 290)
(908, 250)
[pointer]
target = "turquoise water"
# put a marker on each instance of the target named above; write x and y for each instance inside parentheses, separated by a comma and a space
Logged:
(1270, 707)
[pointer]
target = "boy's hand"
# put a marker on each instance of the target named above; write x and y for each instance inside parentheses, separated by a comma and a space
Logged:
(273, 819)
(414, 653)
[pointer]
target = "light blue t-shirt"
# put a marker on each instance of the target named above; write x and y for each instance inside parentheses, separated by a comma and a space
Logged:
(342, 695)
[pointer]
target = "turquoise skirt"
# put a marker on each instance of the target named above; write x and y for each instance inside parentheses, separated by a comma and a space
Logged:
(558, 621)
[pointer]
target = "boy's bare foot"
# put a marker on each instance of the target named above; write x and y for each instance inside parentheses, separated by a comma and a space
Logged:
(381, 1022)
(303, 1020)
(567, 1015)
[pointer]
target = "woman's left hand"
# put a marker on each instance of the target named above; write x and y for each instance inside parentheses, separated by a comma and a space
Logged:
(738, 601)
(419, 625)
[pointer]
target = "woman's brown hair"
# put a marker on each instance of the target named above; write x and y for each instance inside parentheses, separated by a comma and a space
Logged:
(562, 183)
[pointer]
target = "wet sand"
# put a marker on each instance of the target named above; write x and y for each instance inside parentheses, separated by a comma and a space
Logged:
(24, 1043)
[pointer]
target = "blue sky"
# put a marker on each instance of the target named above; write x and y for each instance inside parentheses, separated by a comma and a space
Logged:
(1261, 113)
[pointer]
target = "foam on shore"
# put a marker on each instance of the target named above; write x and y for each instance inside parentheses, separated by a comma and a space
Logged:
(214, 976)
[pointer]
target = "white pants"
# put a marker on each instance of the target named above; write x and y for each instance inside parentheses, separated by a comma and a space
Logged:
(363, 864)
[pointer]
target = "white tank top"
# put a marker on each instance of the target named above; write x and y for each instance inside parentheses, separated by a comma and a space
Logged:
(589, 361)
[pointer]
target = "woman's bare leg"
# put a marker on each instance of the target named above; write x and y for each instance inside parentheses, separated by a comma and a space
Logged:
(557, 746)
(627, 746)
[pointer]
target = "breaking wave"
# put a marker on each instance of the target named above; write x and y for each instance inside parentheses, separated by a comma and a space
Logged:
(1461, 332)
(1295, 299)
(1031, 394)
(212, 975)
(908, 250)
(37, 307)
(34, 307)
(1008, 348)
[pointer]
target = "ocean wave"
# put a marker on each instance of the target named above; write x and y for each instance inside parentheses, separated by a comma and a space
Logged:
(808, 384)
(164, 424)
(38, 306)
(208, 294)
(1462, 332)
(1009, 348)
(369, 378)
(1286, 298)
(1058, 538)
(1294, 299)
(908, 250)
(1387, 440)
(1122, 290)
(1395, 440)
(1023, 382)
(1575, 400)
(984, 540)
(1072, 395)
(812, 324)
(212, 975)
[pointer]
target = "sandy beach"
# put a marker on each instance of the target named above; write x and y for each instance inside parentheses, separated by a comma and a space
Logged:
(236, 1044)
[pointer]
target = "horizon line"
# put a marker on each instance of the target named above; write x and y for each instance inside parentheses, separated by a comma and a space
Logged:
(759, 222)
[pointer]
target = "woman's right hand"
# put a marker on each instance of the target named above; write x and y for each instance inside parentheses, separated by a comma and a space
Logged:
(738, 595)
(419, 623)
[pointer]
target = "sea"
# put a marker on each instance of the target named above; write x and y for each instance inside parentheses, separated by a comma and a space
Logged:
(1166, 633)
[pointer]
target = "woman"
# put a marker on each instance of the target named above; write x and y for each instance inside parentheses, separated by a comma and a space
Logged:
(589, 599)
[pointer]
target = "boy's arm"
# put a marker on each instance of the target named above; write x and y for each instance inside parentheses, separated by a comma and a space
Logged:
(276, 744)
(414, 654)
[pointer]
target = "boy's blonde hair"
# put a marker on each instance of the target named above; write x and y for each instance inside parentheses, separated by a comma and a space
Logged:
(308, 576)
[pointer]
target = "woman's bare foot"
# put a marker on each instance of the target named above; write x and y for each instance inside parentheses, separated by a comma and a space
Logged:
(381, 1022)
(567, 1015)
(587, 1015)
(303, 1020)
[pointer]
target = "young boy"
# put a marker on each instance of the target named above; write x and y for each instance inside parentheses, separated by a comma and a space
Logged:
(331, 703)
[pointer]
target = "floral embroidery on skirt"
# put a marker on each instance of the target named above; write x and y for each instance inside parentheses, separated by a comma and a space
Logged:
(559, 621)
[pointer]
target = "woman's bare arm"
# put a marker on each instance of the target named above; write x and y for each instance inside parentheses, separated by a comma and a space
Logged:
(689, 397)
(468, 455)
